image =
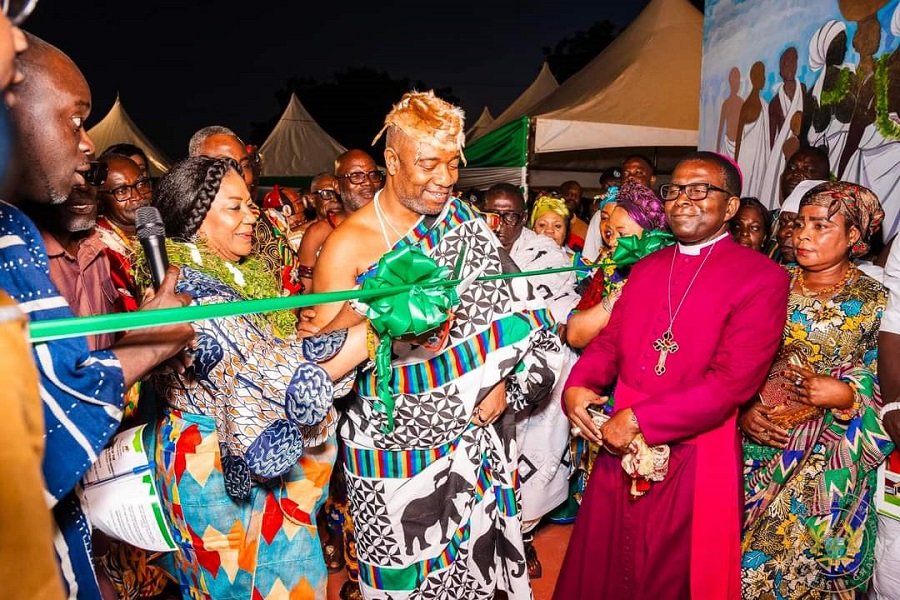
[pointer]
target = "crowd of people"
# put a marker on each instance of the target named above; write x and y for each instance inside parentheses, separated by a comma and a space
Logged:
(707, 389)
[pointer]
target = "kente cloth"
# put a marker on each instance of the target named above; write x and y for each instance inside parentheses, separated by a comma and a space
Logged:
(290, 279)
(577, 231)
(753, 155)
(810, 520)
(435, 501)
(120, 252)
(266, 546)
(682, 538)
(27, 539)
(81, 392)
(245, 452)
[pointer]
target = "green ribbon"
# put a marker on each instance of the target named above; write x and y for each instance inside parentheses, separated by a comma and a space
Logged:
(424, 306)
(58, 329)
(632, 248)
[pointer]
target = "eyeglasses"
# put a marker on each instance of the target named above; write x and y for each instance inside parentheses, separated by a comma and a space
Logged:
(126, 192)
(509, 217)
(693, 191)
(17, 10)
(326, 194)
(357, 177)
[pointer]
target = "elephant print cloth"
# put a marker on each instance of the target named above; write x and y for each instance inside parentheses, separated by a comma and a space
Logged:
(435, 501)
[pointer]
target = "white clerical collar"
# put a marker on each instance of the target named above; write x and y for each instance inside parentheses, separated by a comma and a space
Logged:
(694, 250)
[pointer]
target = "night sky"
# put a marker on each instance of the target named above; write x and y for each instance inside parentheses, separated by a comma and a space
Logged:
(181, 66)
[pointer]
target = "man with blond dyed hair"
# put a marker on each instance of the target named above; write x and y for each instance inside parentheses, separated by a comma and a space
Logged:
(434, 496)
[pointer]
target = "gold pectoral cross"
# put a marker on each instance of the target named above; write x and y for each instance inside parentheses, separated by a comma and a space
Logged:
(665, 345)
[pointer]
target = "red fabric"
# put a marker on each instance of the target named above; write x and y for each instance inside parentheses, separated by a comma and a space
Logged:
(594, 292)
(728, 331)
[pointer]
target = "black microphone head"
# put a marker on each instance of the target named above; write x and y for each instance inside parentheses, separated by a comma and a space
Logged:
(148, 222)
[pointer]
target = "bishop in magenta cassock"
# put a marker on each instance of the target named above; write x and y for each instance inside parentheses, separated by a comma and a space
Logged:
(690, 340)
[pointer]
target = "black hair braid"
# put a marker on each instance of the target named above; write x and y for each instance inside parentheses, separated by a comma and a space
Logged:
(186, 193)
(207, 193)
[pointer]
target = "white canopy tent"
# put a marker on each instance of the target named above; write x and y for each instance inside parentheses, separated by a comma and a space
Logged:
(486, 170)
(642, 90)
(298, 146)
(117, 128)
(484, 121)
(543, 85)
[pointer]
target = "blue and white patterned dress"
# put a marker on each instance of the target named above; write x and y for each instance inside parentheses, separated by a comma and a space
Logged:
(244, 454)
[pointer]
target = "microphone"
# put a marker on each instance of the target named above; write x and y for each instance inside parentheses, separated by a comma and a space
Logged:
(152, 233)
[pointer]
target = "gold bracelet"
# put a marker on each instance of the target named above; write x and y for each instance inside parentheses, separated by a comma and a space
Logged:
(371, 341)
(845, 414)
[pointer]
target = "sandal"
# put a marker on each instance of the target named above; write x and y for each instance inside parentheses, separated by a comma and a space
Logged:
(350, 591)
(535, 570)
(333, 552)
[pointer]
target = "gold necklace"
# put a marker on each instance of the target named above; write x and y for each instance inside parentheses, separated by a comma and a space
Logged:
(801, 281)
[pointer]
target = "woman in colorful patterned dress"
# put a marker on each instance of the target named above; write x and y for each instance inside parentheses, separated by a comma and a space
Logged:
(246, 445)
(814, 439)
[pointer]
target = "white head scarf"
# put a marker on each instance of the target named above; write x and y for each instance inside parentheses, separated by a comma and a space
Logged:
(895, 22)
(818, 50)
(792, 202)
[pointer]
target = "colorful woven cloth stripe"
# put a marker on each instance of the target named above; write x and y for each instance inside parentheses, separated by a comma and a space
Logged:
(506, 500)
(410, 577)
(393, 464)
(428, 238)
(455, 362)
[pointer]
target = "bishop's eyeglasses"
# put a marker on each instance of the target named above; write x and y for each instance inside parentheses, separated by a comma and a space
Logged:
(693, 191)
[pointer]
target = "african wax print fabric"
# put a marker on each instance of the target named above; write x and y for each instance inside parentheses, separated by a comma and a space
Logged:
(809, 518)
(81, 392)
(435, 501)
(244, 454)
(266, 546)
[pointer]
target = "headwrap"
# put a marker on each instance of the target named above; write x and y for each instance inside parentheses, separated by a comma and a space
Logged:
(642, 205)
(426, 118)
(860, 207)
(545, 204)
(274, 199)
(895, 22)
(818, 50)
(612, 193)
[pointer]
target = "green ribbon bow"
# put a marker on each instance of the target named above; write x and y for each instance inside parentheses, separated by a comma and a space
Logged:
(420, 309)
(633, 248)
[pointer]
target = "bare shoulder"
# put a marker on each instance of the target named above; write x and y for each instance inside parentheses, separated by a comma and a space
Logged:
(349, 249)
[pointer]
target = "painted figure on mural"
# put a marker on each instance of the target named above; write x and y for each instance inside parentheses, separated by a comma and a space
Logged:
(786, 101)
(729, 115)
(831, 107)
(871, 154)
(751, 148)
